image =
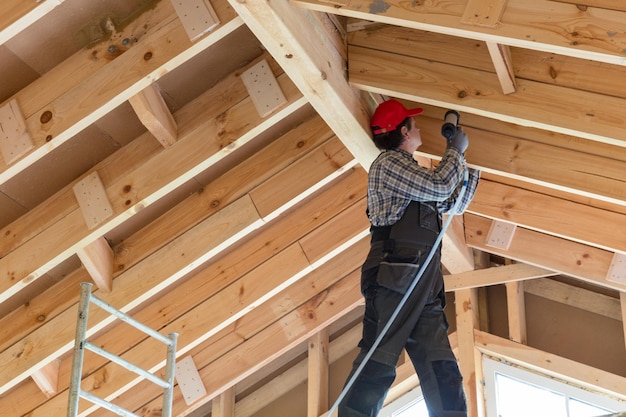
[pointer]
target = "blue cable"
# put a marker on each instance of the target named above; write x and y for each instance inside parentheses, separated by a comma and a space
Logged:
(383, 332)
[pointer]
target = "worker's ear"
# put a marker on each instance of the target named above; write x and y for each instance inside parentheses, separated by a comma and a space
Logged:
(404, 131)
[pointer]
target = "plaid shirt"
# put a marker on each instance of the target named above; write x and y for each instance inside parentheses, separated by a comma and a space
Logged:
(395, 178)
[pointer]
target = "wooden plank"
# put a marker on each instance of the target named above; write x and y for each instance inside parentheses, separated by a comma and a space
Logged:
(576, 171)
(567, 111)
(602, 4)
(494, 275)
(571, 258)
(130, 72)
(194, 155)
(18, 15)
(501, 58)
(552, 365)
(590, 301)
(221, 230)
(622, 297)
(291, 38)
(531, 24)
(218, 274)
(466, 307)
(317, 382)
(47, 378)
(97, 258)
(331, 157)
(151, 109)
(456, 256)
(550, 215)
(224, 404)
(516, 311)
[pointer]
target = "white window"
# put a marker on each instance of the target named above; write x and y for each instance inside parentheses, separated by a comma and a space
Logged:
(515, 392)
(410, 404)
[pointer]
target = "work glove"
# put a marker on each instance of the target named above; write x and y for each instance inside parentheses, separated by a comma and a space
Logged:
(459, 140)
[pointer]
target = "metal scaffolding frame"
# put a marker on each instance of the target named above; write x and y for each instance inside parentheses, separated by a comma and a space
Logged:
(80, 344)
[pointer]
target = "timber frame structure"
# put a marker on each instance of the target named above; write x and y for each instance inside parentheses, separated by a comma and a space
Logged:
(204, 164)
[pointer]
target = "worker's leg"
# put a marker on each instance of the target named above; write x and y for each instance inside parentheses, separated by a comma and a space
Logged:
(435, 364)
(367, 393)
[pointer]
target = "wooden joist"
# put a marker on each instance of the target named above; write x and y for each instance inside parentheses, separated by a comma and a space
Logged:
(290, 35)
(584, 262)
(50, 103)
(140, 188)
(593, 41)
(211, 279)
(551, 215)
(567, 111)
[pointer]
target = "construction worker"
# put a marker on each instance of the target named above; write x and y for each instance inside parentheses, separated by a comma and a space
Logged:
(404, 205)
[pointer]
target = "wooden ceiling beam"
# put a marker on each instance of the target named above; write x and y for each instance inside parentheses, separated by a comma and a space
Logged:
(209, 282)
(135, 191)
(302, 49)
(102, 80)
(494, 275)
(567, 111)
(551, 165)
(533, 24)
(567, 257)
(551, 215)
(551, 364)
(17, 15)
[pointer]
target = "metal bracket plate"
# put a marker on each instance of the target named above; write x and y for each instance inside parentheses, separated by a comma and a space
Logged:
(500, 234)
(263, 88)
(197, 16)
(14, 138)
(189, 380)
(617, 270)
(93, 200)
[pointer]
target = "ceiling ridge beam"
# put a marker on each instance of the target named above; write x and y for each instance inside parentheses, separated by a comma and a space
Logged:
(50, 103)
(533, 24)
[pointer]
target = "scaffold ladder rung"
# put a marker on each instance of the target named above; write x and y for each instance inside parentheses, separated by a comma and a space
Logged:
(80, 344)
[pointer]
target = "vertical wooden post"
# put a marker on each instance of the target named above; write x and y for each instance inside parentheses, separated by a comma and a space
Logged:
(317, 397)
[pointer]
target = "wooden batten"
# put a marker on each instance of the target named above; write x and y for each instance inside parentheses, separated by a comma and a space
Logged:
(98, 260)
(317, 398)
(517, 311)
(456, 256)
(155, 115)
(47, 378)
(501, 58)
(224, 404)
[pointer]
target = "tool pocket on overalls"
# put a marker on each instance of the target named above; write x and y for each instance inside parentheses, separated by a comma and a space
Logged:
(397, 273)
